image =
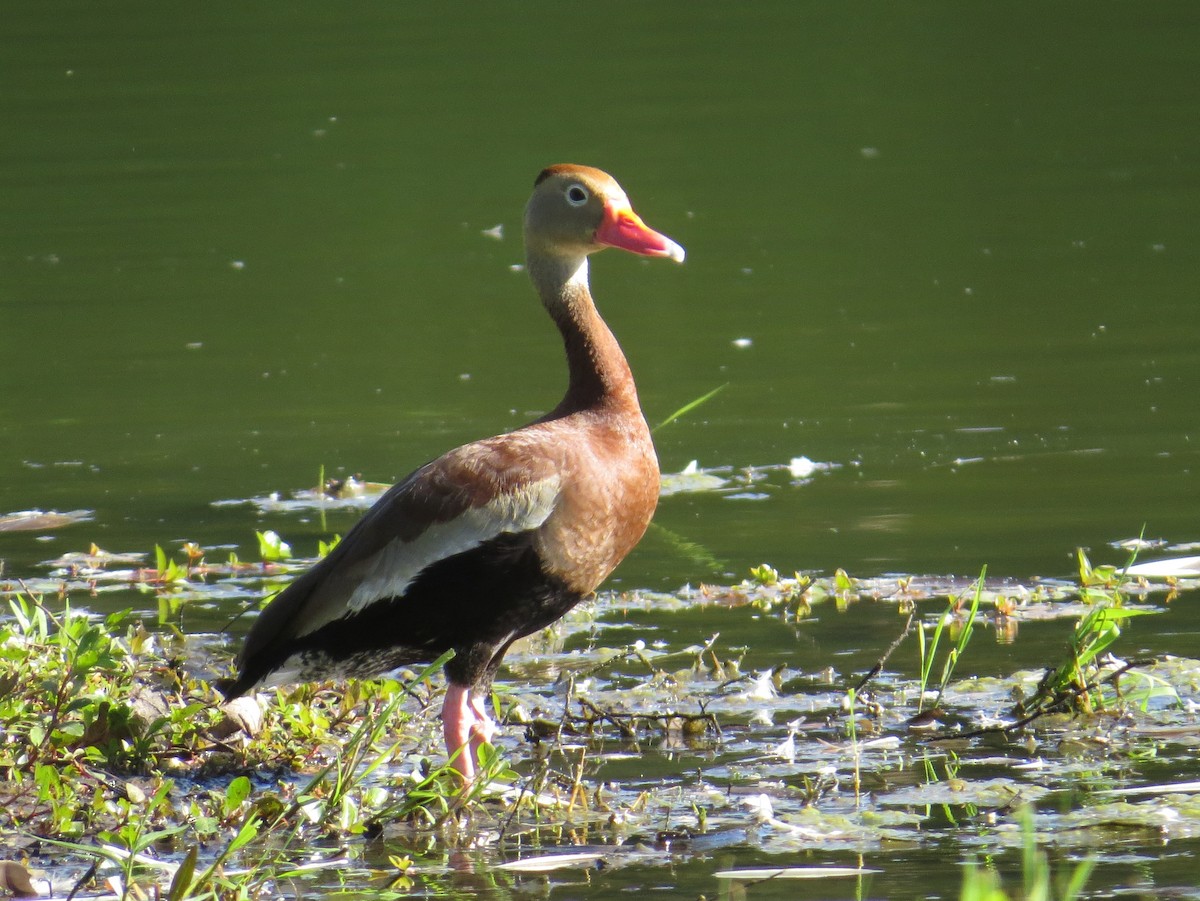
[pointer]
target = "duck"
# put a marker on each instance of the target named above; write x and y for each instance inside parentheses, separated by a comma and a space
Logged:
(499, 538)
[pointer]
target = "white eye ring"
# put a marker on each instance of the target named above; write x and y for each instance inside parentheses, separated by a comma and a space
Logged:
(577, 195)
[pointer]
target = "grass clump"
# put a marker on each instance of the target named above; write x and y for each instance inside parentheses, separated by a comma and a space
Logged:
(1037, 877)
(75, 699)
(964, 627)
(1085, 679)
(90, 709)
(110, 750)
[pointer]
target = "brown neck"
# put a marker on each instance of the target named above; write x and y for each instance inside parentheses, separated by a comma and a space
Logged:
(599, 374)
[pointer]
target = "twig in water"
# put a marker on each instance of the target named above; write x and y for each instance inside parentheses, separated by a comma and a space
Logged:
(878, 667)
(626, 723)
(85, 878)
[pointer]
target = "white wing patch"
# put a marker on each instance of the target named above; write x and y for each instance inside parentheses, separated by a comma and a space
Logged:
(390, 571)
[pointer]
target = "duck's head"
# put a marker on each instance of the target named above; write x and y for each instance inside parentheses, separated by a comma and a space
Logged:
(578, 210)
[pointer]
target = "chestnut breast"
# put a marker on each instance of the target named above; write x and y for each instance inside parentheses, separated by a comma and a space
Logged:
(609, 492)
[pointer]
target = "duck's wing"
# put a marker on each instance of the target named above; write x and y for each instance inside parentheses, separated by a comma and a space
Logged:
(458, 502)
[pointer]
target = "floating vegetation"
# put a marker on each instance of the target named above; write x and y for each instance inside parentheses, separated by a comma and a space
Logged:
(753, 482)
(744, 483)
(188, 576)
(694, 479)
(122, 773)
(350, 493)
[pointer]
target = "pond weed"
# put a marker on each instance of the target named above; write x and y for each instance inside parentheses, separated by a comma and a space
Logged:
(331, 771)
(106, 752)
(965, 627)
(271, 547)
(1083, 682)
(1037, 877)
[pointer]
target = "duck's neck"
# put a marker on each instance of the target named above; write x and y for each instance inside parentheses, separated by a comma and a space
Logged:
(599, 373)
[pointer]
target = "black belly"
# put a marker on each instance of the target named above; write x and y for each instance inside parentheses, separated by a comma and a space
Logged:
(475, 603)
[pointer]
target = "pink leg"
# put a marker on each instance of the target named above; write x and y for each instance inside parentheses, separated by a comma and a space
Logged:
(458, 716)
(484, 728)
(466, 726)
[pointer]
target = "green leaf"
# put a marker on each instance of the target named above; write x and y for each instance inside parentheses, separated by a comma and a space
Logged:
(271, 547)
(236, 794)
(1079, 877)
(182, 880)
(765, 574)
(245, 835)
(842, 581)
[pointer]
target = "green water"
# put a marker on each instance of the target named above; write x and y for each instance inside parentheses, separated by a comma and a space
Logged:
(239, 243)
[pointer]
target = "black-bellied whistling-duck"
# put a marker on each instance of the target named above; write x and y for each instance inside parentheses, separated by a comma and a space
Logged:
(501, 537)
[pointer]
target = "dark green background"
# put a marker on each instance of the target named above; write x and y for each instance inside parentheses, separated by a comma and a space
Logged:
(951, 234)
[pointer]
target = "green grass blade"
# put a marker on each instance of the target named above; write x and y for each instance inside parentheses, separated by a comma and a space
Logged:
(1079, 878)
(688, 407)
(182, 880)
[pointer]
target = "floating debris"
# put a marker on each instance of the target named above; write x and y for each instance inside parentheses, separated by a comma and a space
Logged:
(629, 709)
(1176, 567)
(762, 874)
(351, 493)
(804, 468)
(1191, 788)
(550, 862)
(738, 483)
(1138, 544)
(42, 520)
(691, 479)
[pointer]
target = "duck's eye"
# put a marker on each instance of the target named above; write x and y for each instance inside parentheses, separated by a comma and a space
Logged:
(577, 195)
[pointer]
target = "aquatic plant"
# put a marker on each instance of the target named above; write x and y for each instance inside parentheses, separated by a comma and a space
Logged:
(110, 743)
(1077, 682)
(965, 628)
(984, 883)
(95, 719)
(271, 547)
(690, 406)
